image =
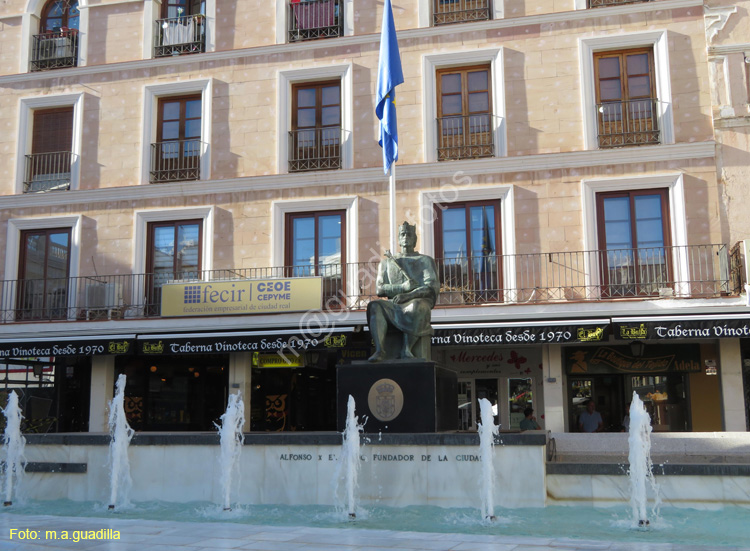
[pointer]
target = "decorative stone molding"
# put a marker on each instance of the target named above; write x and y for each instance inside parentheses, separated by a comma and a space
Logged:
(716, 19)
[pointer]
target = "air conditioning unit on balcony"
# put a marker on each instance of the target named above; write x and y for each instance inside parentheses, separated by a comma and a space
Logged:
(103, 301)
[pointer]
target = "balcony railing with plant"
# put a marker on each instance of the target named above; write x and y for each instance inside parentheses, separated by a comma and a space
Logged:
(176, 161)
(54, 50)
(630, 122)
(48, 171)
(180, 35)
(316, 149)
(314, 19)
(465, 136)
(445, 12)
(695, 271)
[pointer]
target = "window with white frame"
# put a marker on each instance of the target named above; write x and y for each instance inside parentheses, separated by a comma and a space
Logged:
(303, 20)
(178, 27)
(627, 98)
(49, 143)
(315, 119)
(635, 236)
(170, 244)
(41, 264)
(472, 226)
(57, 34)
(177, 132)
(464, 105)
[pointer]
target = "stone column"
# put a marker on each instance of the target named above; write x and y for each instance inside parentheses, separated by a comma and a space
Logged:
(102, 391)
(554, 392)
(732, 394)
(240, 374)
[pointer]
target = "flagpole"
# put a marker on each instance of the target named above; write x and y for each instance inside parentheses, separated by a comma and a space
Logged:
(392, 203)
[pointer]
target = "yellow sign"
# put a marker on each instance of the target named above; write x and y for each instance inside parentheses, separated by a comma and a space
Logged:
(289, 359)
(217, 298)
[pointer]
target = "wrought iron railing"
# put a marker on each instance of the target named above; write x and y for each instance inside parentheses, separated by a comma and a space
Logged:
(445, 12)
(604, 3)
(48, 171)
(695, 271)
(316, 149)
(631, 122)
(176, 161)
(54, 50)
(180, 35)
(465, 136)
(313, 19)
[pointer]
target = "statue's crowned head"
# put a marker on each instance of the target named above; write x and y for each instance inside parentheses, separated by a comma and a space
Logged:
(408, 228)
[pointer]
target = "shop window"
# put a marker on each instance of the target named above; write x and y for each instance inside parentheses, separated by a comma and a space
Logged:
(56, 45)
(633, 232)
(316, 247)
(181, 28)
(176, 155)
(665, 400)
(468, 256)
(174, 251)
(465, 127)
(316, 135)
(48, 166)
(43, 274)
(181, 393)
(520, 397)
(626, 100)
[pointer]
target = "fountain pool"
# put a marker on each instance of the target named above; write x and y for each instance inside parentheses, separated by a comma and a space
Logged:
(727, 527)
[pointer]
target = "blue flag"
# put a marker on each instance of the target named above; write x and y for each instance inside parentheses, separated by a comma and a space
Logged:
(390, 75)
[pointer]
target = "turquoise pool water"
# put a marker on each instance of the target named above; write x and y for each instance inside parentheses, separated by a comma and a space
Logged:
(727, 527)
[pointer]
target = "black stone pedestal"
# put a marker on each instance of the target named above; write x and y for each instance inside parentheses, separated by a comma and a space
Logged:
(398, 396)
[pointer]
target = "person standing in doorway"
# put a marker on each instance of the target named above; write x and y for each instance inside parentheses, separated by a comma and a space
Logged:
(590, 420)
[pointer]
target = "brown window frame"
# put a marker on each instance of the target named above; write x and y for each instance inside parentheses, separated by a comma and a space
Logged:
(65, 16)
(192, 7)
(471, 295)
(181, 167)
(639, 287)
(334, 296)
(47, 311)
(470, 143)
(638, 121)
(322, 155)
(153, 288)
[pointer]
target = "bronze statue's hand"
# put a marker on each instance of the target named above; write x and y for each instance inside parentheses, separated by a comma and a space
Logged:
(398, 299)
(409, 285)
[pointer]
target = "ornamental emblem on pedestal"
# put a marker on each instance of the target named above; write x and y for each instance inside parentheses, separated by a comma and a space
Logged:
(385, 399)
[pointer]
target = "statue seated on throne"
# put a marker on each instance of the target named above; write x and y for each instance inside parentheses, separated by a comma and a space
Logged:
(400, 327)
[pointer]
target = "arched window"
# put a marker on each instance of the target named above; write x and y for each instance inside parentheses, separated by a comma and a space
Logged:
(180, 8)
(60, 14)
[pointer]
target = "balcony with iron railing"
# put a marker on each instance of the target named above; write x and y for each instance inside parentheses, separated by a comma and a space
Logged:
(314, 19)
(176, 161)
(696, 271)
(180, 35)
(630, 122)
(316, 149)
(465, 136)
(446, 12)
(48, 171)
(54, 50)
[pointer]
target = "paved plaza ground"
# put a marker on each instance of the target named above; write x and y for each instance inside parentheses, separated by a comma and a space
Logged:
(153, 535)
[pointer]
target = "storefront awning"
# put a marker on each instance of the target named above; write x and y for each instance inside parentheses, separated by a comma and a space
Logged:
(267, 341)
(683, 327)
(67, 346)
(521, 332)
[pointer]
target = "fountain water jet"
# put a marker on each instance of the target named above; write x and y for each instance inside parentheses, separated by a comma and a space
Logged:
(350, 453)
(639, 457)
(232, 439)
(121, 433)
(13, 445)
(487, 432)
